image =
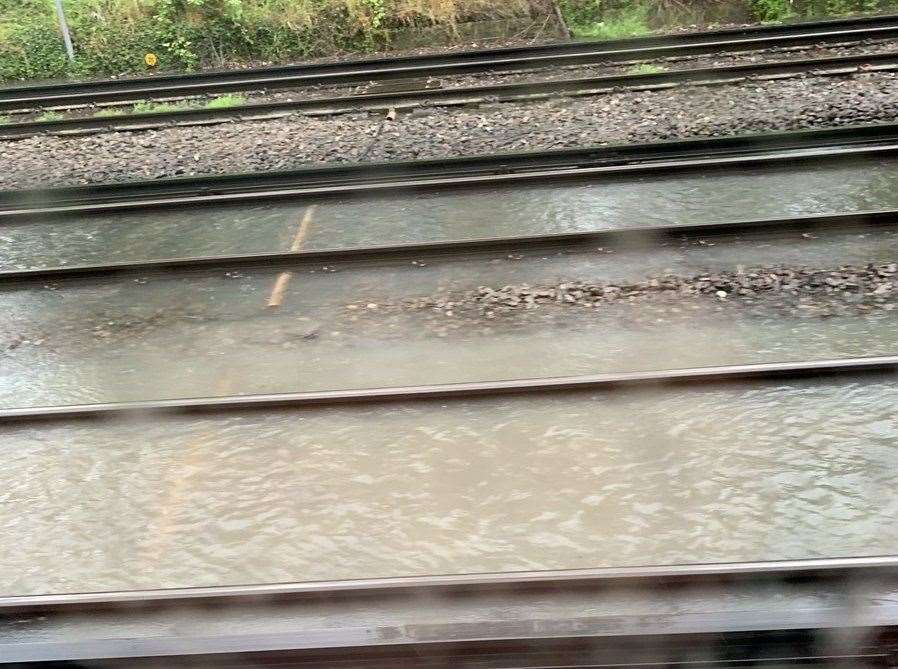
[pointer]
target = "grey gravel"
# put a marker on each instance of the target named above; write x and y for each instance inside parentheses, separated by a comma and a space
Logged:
(806, 292)
(761, 292)
(598, 70)
(706, 111)
(554, 73)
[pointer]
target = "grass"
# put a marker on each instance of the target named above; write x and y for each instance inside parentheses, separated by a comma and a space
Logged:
(646, 68)
(628, 22)
(49, 116)
(226, 101)
(114, 36)
(106, 113)
(147, 107)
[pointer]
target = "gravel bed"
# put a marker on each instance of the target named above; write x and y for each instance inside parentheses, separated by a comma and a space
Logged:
(763, 291)
(527, 76)
(599, 70)
(690, 111)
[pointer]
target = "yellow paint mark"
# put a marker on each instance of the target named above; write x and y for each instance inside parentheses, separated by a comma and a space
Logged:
(283, 280)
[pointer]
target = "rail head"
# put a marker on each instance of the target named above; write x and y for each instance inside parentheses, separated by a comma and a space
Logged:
(879, 366)
(824, 608)
(473, 61)
(360, 175)
(881, 566)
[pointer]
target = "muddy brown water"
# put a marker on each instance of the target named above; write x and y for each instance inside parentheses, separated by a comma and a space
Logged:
(126, 339)
(727, 194)
(765, 471)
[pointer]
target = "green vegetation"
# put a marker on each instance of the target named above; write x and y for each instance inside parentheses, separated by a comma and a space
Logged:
(49, 116)
(226, 101)
(146, 107)
(610, 19)
(606, 20)
(109, 112)
(779, 10)
(4, 119)
(115, 36)
(646, 68)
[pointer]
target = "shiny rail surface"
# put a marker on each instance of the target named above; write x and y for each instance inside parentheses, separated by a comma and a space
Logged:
(529, 91)
(496, 60)
(607, 576)
(883, 366)
(815, 146)
(823, 610)
(836, 611)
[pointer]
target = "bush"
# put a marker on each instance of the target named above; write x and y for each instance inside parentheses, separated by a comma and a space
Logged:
(778, 10)
(113, 36)
(30, 46)
(617, 18)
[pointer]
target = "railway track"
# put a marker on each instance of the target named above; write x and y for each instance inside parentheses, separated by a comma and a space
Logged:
(883, 366)
(498, 60)
(565, 243)
(826, 611)
(521, 92)
(830, 146)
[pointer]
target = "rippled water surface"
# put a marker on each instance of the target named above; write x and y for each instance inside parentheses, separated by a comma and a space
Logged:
(213, 334)
(767, 471)
(724, 195)
(756, 472)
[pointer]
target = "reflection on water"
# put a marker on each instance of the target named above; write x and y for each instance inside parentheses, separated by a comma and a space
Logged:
(727, 195)
(149, 235)
(714, 474)
(214, 335)
(766, 471)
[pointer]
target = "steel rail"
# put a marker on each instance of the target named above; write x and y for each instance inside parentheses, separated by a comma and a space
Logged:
(361, 174)
(439, 584)
(861, 647)
(827, 27)
(838, 615)
(883, 365)
(433, 66)
(642, 237)
(388, 188)
(527, 91)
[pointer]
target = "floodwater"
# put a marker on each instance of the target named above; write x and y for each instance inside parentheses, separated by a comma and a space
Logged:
(729, 194)
(202, 335)
(761, 471)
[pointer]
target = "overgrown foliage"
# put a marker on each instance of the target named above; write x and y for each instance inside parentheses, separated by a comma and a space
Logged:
(621, 18)
(778, 10)
(113, 36)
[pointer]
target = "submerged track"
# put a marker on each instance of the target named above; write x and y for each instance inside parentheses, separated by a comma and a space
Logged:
(879, 366)
(829, 610)
(817, 147)
(564, 243)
